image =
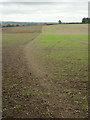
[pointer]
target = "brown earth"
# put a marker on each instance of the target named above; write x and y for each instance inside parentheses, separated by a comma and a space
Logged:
(29, 91)
(54, 90)
(21, 98)
(22, 29)
(67, 29)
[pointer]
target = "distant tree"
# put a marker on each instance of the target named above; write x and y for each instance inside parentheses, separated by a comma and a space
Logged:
(86, 20)
(9, 25)
(17, 25)
(89, 20)
(59, 21)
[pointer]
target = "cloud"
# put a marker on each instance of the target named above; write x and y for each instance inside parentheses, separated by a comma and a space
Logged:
(44, 11)
(44, 1)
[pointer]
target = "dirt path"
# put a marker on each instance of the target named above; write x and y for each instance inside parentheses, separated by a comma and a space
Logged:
(42, 75)
(29, 89)
(57, 102)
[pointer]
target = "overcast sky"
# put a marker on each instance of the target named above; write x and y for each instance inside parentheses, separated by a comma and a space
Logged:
(45, 11)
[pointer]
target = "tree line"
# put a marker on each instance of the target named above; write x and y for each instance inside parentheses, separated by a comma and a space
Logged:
(10, 25)
(86, 20)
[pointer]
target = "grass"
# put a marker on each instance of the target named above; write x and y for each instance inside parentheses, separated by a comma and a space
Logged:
(14, 39)
(56, 46)
(64, 55)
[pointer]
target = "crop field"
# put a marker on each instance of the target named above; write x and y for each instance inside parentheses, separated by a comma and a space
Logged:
(45, 71)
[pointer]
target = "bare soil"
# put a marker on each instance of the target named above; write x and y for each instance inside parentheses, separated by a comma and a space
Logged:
(30, 91)
(22, 29)
(54, 89)
(67, 29)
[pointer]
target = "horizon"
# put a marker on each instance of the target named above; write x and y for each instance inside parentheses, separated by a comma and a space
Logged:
(42, 21)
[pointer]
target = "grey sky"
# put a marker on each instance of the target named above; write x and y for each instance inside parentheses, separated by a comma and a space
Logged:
(44, 0)
(45, 11)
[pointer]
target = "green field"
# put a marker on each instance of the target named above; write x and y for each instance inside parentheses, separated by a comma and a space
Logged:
(65, 57)
(45, 71)
(14, 39)
(71, 46)
(69, 51)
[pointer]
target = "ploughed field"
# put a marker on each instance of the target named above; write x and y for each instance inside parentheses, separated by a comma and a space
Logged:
(45, 71)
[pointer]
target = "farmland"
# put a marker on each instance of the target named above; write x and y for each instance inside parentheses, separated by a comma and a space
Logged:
(45, 71)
